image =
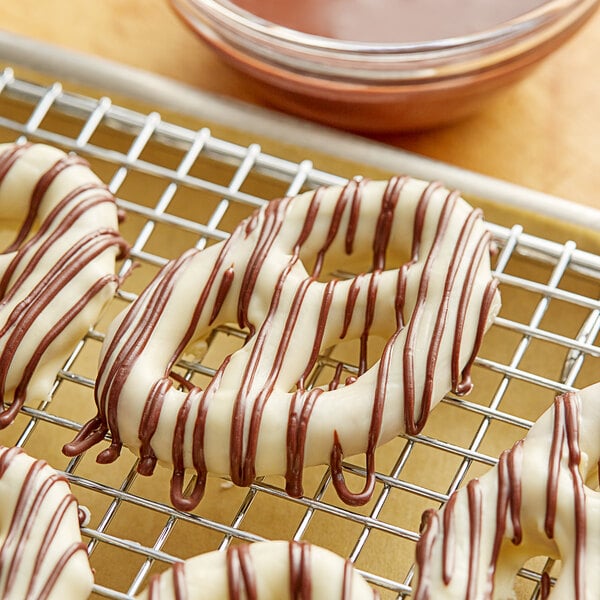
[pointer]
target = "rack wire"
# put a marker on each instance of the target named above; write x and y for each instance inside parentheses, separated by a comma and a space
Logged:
(165, 175)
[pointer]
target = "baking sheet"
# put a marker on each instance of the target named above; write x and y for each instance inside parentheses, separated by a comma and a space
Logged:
(549, 288)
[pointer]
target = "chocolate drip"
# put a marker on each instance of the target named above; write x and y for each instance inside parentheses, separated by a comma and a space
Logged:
(333, 230)
(355, 189)
(199, 431)
(414, 425)
(448, 542)
(300, 571)
(358, 499)
(154, 588)
(383, 229)
(347, 581)
(319, 332)
(475, 526)
(148, 425)
(224, 288)
(274, 215)
(241, 577)
(337, 376)
(179, 584)
(466, 384)
(353, 292)
(429, 529)
(301, 407)
(515, 464)
(369, 317)
(545, 586)
(440, 325)
(571, 425)
(177, 494)
(509, 502)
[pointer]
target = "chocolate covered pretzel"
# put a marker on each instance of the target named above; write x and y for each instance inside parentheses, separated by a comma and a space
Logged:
(41, 552)
(541, 499)
(262, 571)
(57, 271)
(424, 286)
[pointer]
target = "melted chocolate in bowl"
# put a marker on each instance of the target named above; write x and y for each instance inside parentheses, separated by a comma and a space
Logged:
(381, 66)
(389, 21)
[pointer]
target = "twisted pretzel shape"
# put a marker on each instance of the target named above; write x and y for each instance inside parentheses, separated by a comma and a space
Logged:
(41, 552)
(425, 287)
(262, 571)
(57, 273)
(535, 502)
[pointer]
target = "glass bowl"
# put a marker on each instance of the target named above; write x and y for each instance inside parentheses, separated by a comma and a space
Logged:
(381, 87)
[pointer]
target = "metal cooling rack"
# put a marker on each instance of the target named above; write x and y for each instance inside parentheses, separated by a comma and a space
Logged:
(562, 276)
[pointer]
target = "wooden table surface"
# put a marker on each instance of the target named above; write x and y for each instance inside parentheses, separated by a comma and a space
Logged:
(544, 133)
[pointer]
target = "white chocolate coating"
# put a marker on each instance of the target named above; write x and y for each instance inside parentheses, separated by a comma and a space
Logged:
(57, 272)
(41, 552)
(262, 571)
(538, 501)
(426, 288)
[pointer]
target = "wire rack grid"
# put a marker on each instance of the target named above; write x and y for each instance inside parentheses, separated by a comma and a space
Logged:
(543, 342)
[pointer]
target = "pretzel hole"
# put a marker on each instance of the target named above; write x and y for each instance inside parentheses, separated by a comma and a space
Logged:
(207, 353)
(339, 364)
(339, 265)
(524, 586)
(349, 351)
(204, 355)
(196, 351)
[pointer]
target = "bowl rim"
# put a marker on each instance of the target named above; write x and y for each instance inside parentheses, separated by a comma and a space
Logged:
(227, 14)
(361, 67)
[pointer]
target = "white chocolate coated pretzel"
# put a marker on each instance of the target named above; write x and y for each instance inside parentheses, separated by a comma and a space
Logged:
(535, 502)
(425, 287)
(41, 552)
(57, 272)
(262, 571)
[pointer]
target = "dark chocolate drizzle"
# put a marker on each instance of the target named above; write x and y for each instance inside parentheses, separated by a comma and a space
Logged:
(241, 577)
(476, 526)
(137, 325)
(178, 584)
(29, 250)
(300, 571)
(564, 443)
